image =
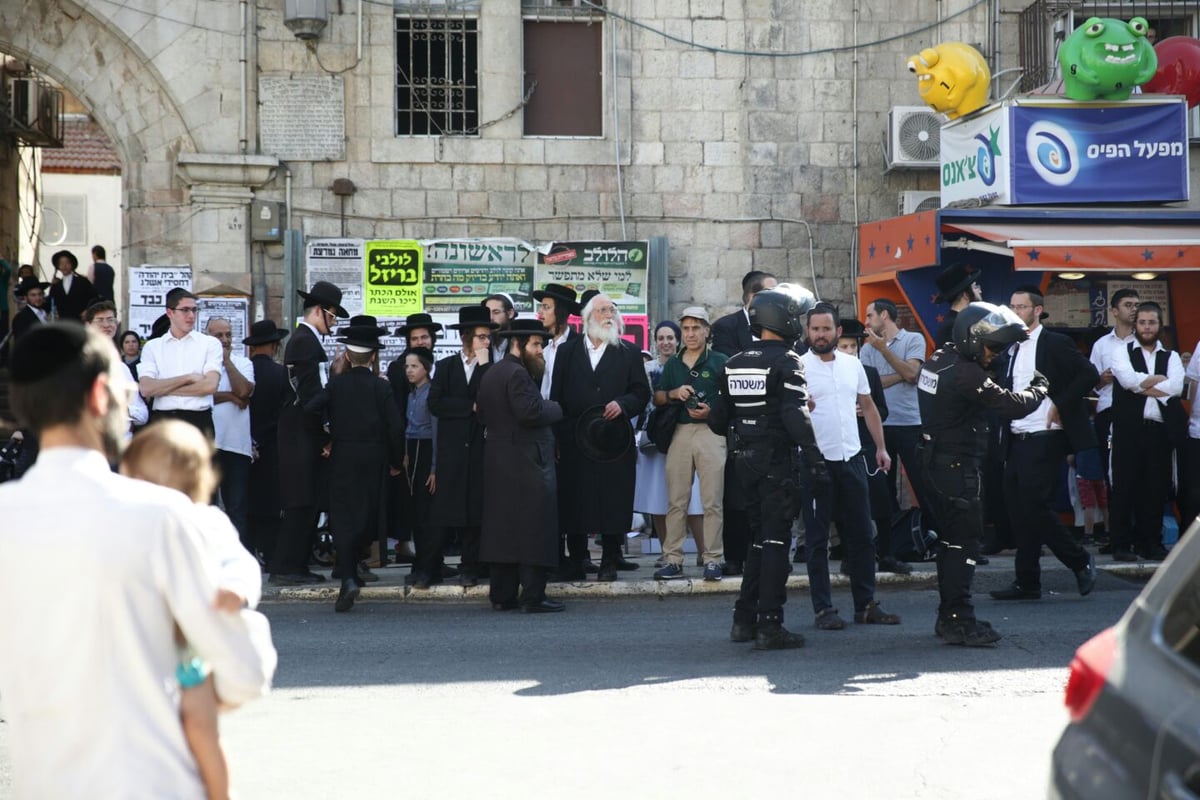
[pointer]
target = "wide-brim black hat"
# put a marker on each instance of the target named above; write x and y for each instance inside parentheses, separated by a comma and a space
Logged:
(54, 259)
(525, 327)
(29, 283)
(419, 320)
(853, 329)
(362, 336)
(474, 317)
(160, 327)
(363, 321)
(954, 279)
(601, 439)
(264, 332)
(562, 294)
(326, 295)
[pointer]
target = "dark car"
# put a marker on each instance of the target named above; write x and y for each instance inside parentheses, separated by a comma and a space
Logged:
(1134, 695)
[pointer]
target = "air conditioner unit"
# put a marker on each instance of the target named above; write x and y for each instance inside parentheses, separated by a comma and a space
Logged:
(49, 114)
(23, 102)
(912, 202)
(914, 137)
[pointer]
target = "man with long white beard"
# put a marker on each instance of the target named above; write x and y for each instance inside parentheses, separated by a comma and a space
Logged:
(597, 371)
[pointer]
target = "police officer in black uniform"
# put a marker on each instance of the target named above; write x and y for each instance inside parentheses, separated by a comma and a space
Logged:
(955, 394)
(763, 409)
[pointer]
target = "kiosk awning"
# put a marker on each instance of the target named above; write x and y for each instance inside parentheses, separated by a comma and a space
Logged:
(1089, 247)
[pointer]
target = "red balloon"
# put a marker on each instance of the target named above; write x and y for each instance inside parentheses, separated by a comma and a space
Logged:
(1178, 69)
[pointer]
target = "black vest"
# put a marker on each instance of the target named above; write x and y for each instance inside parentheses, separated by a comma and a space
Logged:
(1128, 408)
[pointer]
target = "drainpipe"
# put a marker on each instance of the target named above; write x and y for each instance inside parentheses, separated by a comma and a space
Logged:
(243, 122)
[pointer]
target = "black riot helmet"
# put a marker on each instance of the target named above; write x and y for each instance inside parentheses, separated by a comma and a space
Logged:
(781, 310)
(983, 323)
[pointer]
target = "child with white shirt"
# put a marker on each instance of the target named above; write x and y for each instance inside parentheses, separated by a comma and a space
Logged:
(177, 455)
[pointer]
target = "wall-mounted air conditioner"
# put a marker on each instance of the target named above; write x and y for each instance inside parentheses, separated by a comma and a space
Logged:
(23, 102)
(914, 137)
(912, 202)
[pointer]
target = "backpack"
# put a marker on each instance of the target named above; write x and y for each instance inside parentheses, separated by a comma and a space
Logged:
(910, 542)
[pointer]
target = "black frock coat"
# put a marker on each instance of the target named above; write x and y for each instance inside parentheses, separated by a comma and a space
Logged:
(71, 305)
(23, 322)
(458, 501)
(596, 497)
(270, 390)
(301, 435)
(520, 501)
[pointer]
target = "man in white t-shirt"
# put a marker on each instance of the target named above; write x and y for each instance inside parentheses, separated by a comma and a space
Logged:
(180, 370)
(231, 419)
(838, 388)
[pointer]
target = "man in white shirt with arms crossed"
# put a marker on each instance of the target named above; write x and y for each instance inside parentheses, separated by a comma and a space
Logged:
(180, 370)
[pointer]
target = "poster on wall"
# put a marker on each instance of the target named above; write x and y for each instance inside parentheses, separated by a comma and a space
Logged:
(1069, 304)
(236, 309)
(1157, 291)
(148, 287)
(339, 261)
(459, 273)
(617, 269)
(391, 278)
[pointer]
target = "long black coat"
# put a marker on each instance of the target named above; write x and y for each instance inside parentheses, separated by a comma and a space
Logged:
(300, 433)
(596, 497)
(71, 305)
(458, 501)
(520, 507)
(731, 334)
(23, 322)
(270, 390)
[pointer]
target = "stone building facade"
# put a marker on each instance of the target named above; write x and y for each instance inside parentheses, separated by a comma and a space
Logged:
(748, 132)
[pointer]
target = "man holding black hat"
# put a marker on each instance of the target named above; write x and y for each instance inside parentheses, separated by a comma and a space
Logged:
(597, 462)
(957, 285)
(301, 436)
(556, 304)
(520, 512)
(270, 388)
(458, 501)
(34, 312)
(71, 293)
(181, 370)
(367, 438)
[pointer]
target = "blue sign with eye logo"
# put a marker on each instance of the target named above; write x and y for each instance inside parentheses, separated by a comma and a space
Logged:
(1104, 153)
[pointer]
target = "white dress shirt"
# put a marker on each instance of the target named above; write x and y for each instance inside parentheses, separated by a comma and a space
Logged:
(834, 387)
(169, 357)
(468, 364)
(1129, 379)
(88, 675)
(1193, 372)
(230, 423)
(595, 352)
(549, 352)
(139, 414)
(1024, 360)
(41, 313)
(1103, 352)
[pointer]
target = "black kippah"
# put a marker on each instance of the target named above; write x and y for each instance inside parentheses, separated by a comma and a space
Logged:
(45, 350)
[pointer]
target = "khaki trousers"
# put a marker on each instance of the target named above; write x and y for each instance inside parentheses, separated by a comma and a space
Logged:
(695, 450)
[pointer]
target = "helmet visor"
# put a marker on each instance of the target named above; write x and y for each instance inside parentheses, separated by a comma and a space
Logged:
(999, 328)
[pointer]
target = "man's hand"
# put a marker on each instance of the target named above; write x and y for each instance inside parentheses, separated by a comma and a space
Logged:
(613, 410)
(875, 340)
(392, 471)
(482, 354)
(327, 450)
(1106, 377)
(682, 393)
(431, 483)
(883, 460)
(699, 412)
(229, 602)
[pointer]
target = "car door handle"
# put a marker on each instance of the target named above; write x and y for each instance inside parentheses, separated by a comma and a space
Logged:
(1175, 788)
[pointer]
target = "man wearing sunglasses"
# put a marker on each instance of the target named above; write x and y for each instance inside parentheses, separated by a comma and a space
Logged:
(181, 369)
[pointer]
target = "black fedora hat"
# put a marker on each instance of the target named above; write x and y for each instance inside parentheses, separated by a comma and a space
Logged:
(160, 327)
(474, 317)
(326, 295)
(264, 332)
(562, 294)
(601, 439)
(362, 336)
(61, 253)
(525, 327)
(363, 321)
(418, 320)
(29, 283)
(853, 329)
(954, 279)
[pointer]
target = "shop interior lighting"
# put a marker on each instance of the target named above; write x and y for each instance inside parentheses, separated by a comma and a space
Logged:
(1144, 276)
(1071, 276)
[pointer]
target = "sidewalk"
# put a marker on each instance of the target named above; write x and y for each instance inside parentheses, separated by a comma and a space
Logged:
(641, 583)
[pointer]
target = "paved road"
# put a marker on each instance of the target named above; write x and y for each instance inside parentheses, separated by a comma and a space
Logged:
(648, 698)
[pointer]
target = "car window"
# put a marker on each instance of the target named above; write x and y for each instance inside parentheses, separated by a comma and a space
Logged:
(1181, 613)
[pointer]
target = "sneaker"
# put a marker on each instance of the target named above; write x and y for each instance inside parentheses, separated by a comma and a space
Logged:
(712, 571)
(969, 632)
(875, 615)
(669, 573)
(777, 638)
(660, 563)
(828, 620)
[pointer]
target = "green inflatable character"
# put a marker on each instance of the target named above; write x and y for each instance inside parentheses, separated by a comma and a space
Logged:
(1105, 58)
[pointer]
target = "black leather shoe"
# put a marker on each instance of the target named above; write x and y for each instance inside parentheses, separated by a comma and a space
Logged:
(625, 565)
(449, 572)
(590, 567)
(743, 632)
(777, 638)
(1155, 552)
(732, 568)
(1086, 577)
(509, 605)
(1017, 592)
(1123, 554)
(894, 565)
(347, 596)
(365, 575)
(468, 579)
(607, 573)
(982, 560)
(546, 606)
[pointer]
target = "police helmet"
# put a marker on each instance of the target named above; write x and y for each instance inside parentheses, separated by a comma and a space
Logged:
(983, 323)
(781, 310)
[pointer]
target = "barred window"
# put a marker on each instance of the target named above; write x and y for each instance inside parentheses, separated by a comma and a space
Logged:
(437, 75)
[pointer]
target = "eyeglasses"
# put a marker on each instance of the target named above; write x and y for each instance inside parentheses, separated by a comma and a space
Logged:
(186, 309)
(604, 310)
(1020, 307)
(483, 337)
(546, 306)
(105, 320)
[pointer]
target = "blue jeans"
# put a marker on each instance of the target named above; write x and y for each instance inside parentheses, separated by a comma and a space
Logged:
(235, 486)
(846, 500)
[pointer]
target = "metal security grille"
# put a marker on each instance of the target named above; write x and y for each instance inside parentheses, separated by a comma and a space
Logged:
(560, 9)
(1045, 23)
(437, 76)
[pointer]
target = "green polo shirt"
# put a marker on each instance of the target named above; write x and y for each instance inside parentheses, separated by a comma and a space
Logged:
(705, 376)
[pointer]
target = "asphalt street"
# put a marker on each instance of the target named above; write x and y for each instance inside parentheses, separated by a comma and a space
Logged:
(645, 697)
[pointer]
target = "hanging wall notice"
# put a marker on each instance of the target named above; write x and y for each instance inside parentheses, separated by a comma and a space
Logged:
(234, 309)
(339, 261)
(392, 274)
(618, 269)
(459, 273)
(148, 287)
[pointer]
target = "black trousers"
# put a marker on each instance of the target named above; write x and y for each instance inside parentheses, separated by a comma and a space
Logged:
(294, 545)
(506, 578)
(235, 491)
(846, 500)
(769, 488)
(1141, 476)
(611, 548)
(201, 419)
(955, 492)
(262, 531)
(1031, 480)
(902, 442)
(736, 528)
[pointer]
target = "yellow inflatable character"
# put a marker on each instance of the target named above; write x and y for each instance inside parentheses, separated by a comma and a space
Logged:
(953, 78)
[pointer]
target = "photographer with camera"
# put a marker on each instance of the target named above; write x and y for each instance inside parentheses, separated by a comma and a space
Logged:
(691, 380)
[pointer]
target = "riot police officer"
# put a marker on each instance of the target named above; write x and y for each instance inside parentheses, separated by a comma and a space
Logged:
(955, 392)
(763, 409)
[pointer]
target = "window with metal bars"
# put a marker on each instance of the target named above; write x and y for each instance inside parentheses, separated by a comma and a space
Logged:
(437, 75)
(560, 9)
